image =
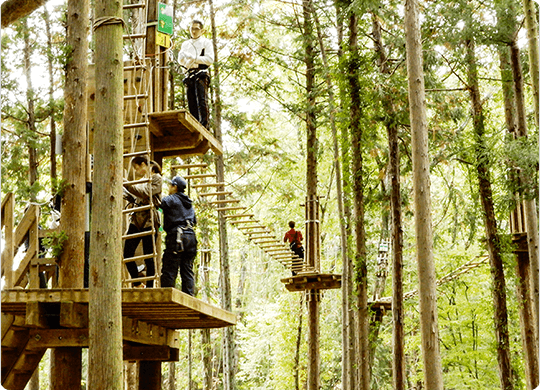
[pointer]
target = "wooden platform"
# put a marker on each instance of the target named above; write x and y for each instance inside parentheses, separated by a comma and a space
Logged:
(165, 307)
(179, 134)
(308, 281)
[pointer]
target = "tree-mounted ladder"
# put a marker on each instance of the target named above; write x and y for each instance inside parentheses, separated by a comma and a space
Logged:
(137, 106)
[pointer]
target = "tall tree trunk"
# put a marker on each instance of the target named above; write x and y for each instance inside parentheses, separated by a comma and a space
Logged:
(493, 244)
(51, 94)
(422, 201)
(362, 335)
(72, 217)
(398, 342)
(532, 33)
(229, 382)
(296, 367)
(31, 120)
(345, 276)
(529, 270)
(205, 333)
(312, 200)
(105, 306)
(349, 373)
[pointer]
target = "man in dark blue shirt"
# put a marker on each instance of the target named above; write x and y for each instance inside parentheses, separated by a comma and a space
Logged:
(181, 243)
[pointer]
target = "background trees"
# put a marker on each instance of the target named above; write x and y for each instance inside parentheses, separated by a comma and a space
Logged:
(262, 88)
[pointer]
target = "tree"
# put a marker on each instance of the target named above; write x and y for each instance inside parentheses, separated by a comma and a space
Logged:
(105, 306)
(422, 202)
(492, 237)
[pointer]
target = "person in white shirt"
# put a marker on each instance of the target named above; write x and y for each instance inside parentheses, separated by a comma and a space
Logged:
(196, 55)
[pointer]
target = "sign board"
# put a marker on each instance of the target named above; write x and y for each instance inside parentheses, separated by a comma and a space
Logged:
(165, 18)
(163, 39)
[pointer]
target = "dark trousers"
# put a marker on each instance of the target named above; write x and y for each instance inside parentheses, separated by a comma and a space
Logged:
(148, 248)
(174, 260)
(197, 91)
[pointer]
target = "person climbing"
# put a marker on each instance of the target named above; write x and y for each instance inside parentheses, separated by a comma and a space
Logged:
(295, 238)
(140, 221)
(196, 55)
(181, 242)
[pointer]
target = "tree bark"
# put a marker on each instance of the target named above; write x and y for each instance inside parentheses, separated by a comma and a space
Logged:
(229, 382)
(530, 270)
(398, 342)
(493, 244)
(72, 217)
(360, 276)
(532, 33)
(296, 367)
(31, 119)
(13, 10)
(51, 95)
(105, 306)
(422, 202)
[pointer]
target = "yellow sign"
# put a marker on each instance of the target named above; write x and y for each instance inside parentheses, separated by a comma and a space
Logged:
(163, 39)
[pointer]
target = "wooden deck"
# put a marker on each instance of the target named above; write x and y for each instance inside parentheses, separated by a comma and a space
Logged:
(164, 307)
(312, 280)
(178, 134)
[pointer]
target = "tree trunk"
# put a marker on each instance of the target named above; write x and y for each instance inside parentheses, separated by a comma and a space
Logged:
(349, 378)
(422, 202)
(530, 270)
(31, 120)
(296, 367)
(532, 33)
(312, 200)
(398, 342)
(172, 376)
(229, 382)
(205, 333)
(345, 276)
(493, 244)
(362, 335)
(66, 361)
(51, 95)
(105, 306)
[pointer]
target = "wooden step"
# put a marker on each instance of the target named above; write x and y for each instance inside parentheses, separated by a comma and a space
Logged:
(219, 193)
(137, 235)
(208, 185)
(136, 5)
(199, 176)
(225, 201)
(189, 166)
(231, 208)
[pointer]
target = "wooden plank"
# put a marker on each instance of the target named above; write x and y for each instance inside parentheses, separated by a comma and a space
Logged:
(57, 338)
(36, 315)
(150, 353)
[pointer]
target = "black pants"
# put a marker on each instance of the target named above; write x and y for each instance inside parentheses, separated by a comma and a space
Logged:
(173, 260)
(148, 248)
(197, 91)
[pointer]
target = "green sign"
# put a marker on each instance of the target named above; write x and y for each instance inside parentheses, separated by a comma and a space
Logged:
(165, 18)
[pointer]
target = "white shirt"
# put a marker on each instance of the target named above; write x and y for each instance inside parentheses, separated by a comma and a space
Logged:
(191, 53)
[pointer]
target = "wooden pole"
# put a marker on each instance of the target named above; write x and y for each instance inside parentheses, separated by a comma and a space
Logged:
(105, 357)
(150, 375)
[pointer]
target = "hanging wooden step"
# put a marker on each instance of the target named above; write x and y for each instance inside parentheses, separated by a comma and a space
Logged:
(203, 185)
(189, 166)
(136, 5)
(219, 193)
(199, 176)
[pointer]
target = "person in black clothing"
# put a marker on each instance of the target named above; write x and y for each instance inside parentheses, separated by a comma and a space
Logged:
(181, 243)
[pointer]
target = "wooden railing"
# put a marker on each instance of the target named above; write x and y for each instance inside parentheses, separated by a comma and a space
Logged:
(26, 233)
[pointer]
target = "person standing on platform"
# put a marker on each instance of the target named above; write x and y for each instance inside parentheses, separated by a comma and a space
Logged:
(196, 55)
(181, 243)
(294, 237)
(140, 221)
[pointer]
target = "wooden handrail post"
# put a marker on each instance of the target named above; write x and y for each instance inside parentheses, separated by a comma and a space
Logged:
(8, 251)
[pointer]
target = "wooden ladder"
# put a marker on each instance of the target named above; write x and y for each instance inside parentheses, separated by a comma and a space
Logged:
(137, 105)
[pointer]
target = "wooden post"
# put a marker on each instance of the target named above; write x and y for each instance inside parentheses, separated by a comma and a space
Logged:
(150, 375)
(7, 253)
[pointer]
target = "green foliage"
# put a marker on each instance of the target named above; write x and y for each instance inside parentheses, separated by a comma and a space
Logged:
(54, 242)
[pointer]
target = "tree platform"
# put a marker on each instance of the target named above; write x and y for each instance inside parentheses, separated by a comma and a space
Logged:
(165, 307)
(178, 134)
(34, 320)
(312, 280)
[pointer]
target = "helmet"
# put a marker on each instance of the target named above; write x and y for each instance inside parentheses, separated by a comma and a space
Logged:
(179, 182)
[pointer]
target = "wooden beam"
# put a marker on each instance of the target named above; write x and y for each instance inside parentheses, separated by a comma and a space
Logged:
(73, 315)
(150, 353)
(57, 338)
(35, 315)
(13, 10)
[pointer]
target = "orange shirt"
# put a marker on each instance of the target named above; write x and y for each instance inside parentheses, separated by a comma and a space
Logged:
(293, 235)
